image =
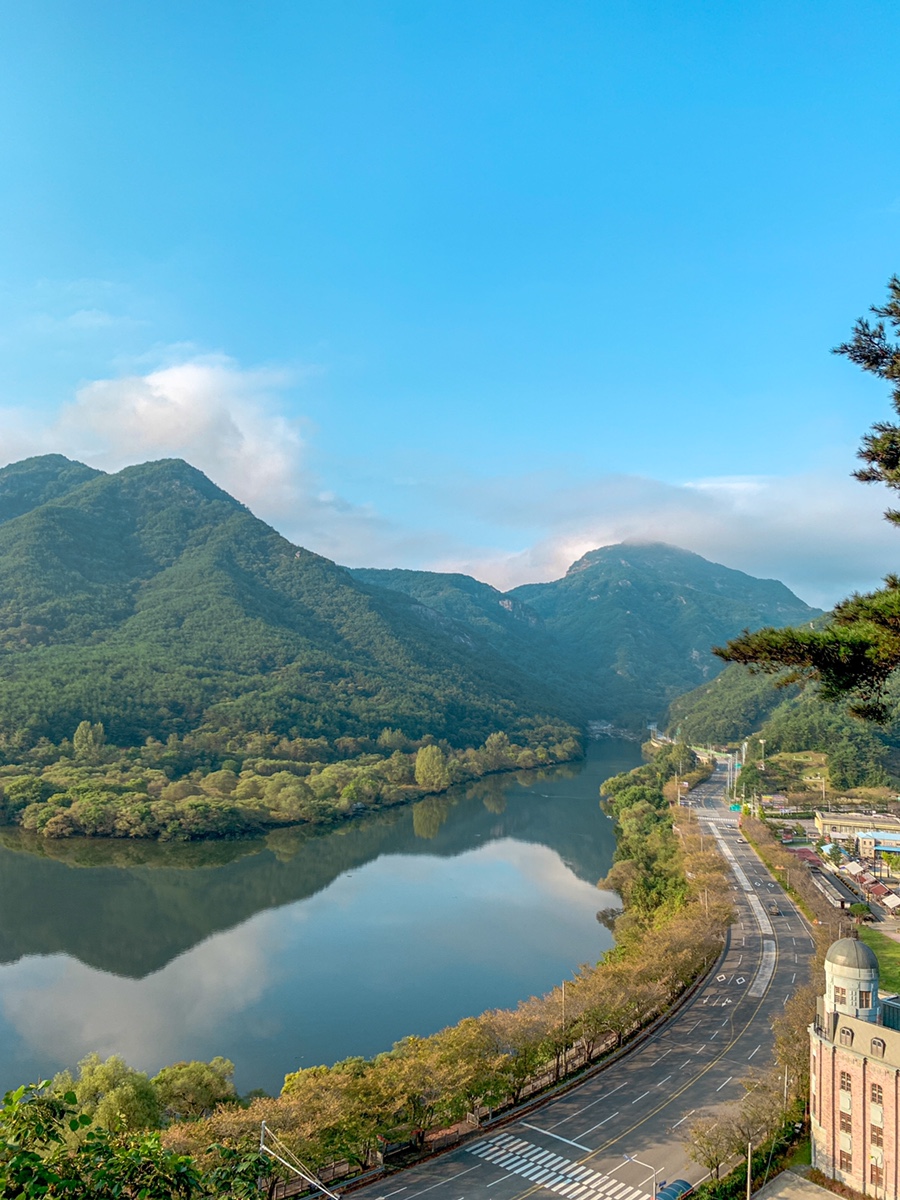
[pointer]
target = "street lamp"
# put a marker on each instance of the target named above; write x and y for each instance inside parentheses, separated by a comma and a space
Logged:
(631, 1158)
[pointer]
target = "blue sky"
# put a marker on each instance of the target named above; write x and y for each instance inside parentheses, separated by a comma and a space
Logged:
(461, 285)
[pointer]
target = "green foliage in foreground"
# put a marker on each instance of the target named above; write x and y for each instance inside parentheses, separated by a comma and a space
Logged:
(49, 1148)
(858, 653)
(208, 786)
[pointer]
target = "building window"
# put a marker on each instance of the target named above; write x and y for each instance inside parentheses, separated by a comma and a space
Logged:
(845, 1082)
(846, 1037)
(877, 1048)
(865, 999)
(846, 1124)
(877, 1093)
(840, 995)
(846, 1161)
(876, 1174)
(877, 1138)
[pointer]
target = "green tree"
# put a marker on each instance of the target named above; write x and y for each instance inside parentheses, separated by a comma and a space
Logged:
(88, 741)
(188, 1090)
(114, 1095)
(859, 651)
(432, 772)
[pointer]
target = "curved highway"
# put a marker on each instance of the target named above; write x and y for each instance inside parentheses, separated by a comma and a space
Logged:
(585, 1144)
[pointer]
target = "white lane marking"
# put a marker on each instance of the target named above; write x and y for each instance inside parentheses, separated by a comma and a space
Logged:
(640, 1097)
(599, 1100)
(760, 984)
(441, 1182)
(662, 1081)
(599, 1123)
(568, 1178)
(684, 1118)
(749, 1056)
(558, 1137)
(721, 1085)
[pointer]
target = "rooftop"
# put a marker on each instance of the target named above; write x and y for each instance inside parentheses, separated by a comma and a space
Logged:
(850, 952)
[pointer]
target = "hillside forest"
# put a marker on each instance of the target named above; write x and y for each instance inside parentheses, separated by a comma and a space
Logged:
(171, 667)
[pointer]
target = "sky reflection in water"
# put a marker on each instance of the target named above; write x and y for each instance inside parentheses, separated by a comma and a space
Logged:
(486, 910)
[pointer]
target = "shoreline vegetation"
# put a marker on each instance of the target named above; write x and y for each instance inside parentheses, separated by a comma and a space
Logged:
(414, 1098)
(209, 786)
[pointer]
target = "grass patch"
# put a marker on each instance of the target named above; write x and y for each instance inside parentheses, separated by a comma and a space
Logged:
(888, 953)
(802, 1156)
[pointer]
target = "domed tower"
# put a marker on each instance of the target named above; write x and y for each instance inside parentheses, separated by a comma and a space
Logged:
(851, 980)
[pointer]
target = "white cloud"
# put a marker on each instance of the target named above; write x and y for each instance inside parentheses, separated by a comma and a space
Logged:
(207, 410)
(820, 533)
(63, 1009)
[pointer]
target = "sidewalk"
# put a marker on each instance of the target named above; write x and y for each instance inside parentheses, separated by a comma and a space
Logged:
(790, 1186)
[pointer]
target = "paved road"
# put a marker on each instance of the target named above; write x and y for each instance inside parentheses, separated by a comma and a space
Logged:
(575, 1146)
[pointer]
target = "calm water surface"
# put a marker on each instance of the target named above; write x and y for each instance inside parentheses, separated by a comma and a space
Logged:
(301, 950)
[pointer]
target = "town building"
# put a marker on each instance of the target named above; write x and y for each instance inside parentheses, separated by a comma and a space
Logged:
(855, 1075)
(846, 826)
(874, 842)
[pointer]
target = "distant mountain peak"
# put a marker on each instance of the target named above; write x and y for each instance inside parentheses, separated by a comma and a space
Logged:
(626, 552)
(28, 484)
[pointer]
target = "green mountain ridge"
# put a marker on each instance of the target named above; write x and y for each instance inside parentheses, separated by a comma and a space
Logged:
(152, 601)
(629, 626)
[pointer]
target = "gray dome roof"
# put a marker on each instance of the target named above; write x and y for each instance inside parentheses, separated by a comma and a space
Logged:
(849, 952)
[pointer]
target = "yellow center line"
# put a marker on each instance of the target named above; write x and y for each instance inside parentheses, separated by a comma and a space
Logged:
(690, 1083)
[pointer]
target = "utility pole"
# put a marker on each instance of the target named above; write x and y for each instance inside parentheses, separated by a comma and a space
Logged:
(749, 1164)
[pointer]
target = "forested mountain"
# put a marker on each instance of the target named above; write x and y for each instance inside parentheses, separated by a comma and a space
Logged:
(629, 626)
(738, 704)
(513, 629)
(155, 603)
(643, 619)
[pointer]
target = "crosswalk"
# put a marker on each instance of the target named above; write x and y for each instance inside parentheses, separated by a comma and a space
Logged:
(552, 1170)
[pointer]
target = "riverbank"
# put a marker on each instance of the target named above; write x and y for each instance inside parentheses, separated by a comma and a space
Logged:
(669, 934)
(156, 792)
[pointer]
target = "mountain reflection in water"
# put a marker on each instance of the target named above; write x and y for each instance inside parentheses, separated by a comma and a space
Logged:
(300, 949)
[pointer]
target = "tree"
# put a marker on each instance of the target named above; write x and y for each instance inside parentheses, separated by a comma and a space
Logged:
(88, 741)
(855, 656)
(431, 769)
(710, 1141)
(193, 1089)
(113, 1094)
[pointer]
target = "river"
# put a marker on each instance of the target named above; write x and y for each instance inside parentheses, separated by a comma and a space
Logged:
(298, 949)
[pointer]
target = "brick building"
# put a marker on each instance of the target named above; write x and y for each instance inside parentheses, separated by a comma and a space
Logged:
(855, 1076)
